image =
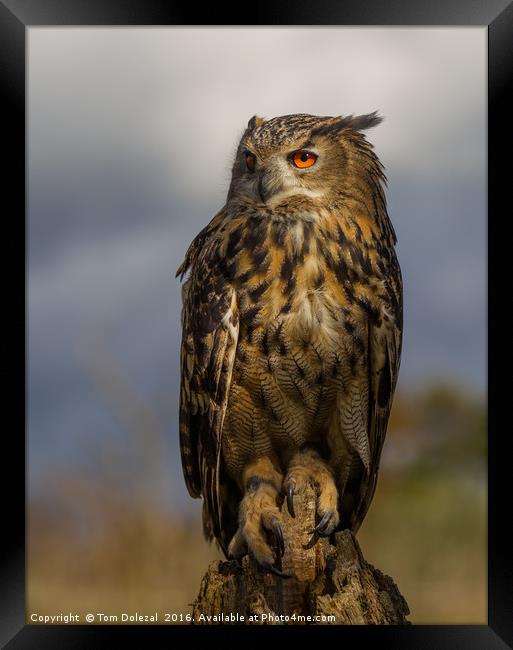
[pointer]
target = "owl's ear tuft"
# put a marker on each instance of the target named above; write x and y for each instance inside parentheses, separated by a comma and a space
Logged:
(255, 122)
(354, 122)
(362, 122)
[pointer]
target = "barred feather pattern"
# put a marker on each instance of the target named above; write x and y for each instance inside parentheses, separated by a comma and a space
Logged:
(291, 335)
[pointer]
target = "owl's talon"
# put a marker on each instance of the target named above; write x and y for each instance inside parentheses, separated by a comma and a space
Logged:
(259, 533)
(278, 535)
(307, 467)
(290, 498)
(312, 542)
(325, 527)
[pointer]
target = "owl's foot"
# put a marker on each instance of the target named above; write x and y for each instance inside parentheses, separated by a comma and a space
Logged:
(308, 467)
(259, 517)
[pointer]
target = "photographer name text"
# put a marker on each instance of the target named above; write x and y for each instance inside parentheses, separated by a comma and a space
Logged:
(101, 618)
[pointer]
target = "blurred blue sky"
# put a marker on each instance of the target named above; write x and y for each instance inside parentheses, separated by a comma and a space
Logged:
(131, 134)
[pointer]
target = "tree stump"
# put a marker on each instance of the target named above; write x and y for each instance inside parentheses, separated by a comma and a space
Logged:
(329, 583)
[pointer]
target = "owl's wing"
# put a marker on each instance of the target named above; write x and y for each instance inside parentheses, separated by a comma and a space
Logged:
(210, 327)
(383, 358)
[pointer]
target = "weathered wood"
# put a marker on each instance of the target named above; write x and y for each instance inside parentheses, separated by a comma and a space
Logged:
(329, 584)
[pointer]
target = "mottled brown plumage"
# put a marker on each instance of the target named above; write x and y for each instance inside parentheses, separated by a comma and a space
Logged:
(292, 317)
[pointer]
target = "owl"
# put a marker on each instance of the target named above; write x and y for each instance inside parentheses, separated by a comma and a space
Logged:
(291, 335)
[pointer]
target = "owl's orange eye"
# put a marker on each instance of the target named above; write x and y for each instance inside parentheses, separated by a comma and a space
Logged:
(250, 161)
(303, 159)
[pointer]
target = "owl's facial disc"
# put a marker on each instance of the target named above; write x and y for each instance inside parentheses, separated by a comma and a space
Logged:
(273, 177)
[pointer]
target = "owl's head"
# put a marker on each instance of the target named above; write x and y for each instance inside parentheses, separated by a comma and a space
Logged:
(300, 155)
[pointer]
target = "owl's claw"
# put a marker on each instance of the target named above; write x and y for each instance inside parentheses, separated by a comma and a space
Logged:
(290, 498)
(278, 535)
(260, 533)
(327, 524)
(252, 540)
(307, 467)
(312, 542)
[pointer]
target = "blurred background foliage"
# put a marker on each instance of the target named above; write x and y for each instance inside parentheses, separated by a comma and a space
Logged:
(104, 540)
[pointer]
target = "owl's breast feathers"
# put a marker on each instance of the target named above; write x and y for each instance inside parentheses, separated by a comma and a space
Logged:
(289, 316)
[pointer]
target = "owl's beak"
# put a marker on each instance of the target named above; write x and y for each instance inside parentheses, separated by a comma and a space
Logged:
(265, 185)
(261, 189)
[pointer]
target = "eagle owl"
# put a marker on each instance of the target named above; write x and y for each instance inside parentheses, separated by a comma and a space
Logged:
(291, 342)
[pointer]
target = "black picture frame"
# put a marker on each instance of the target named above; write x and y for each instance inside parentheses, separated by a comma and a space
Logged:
(16, 16)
